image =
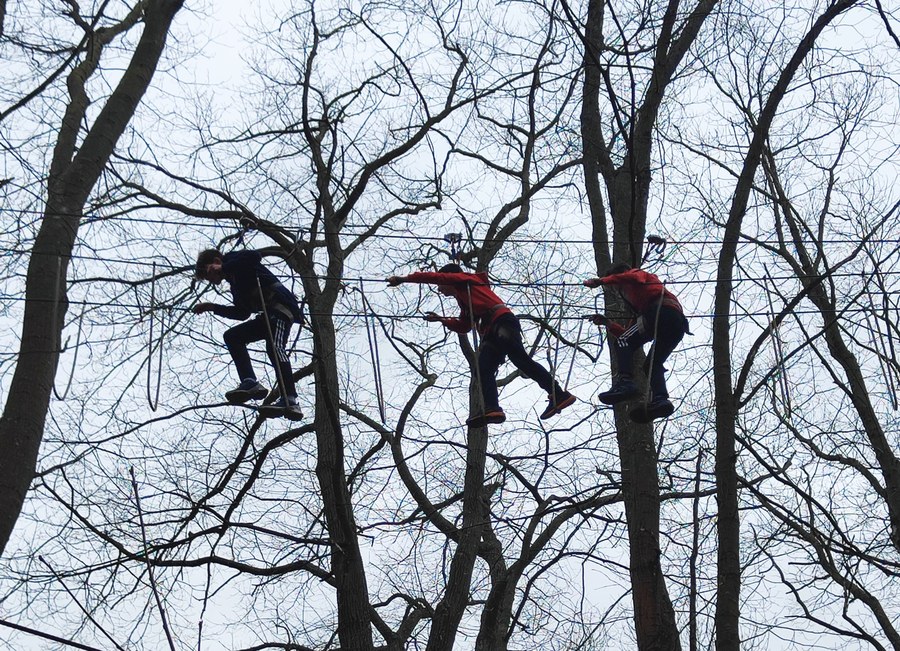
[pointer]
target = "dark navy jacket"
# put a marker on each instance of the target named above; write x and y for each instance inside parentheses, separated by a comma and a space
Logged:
(241, 269)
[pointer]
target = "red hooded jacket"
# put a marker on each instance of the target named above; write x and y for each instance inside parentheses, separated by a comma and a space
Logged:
(642, 291)
(466, 287)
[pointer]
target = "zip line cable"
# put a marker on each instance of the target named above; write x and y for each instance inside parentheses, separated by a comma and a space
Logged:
(372, 338)
(152, 402)
(363, 228)
(582, 309)
(495, 282)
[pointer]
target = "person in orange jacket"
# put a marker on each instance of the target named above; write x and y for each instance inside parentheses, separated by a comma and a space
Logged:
(658, 317)
(501, 337)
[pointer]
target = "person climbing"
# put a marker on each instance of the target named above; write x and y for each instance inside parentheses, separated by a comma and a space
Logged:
(660, 318)
(501, 337)
(247, 277)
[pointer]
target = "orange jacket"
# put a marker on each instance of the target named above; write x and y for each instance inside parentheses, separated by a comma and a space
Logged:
(642, 291)
(466, 287)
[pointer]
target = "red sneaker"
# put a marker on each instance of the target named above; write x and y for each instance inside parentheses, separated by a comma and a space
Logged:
(563, 400)
(490, 417)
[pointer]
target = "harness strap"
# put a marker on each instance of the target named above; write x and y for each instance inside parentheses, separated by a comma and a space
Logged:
(484, 319)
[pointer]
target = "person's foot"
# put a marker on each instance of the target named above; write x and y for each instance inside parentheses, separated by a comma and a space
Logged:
(620, 391)
(277, 409)
(659, 408)
(493, 416)
(554, 406)
(248, 389)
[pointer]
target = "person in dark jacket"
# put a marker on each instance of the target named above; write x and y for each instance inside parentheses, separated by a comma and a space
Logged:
(501, 337)
(658, 317)
(246, 275)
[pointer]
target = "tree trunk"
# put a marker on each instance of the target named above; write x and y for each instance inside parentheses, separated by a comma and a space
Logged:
(728, 524)
(628, 187)
(71, 180)
(354, 618)
(654, 616)
(452, 606)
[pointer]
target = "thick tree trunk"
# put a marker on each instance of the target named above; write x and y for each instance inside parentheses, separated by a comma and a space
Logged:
(72, 178)
(628, 188)
(728, 523)
(592, 143)
(353, 608)
(496, 616)
(654, 616)
(449, 612)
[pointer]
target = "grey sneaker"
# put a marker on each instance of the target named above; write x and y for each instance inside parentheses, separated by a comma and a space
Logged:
(279, 409)
(659, 408)
(248, 389)
(622, 389)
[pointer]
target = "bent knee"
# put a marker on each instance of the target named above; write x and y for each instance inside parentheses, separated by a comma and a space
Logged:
(231, 337)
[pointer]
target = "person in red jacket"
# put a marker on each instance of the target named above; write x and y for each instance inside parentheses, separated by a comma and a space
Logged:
(660, 318)
(501, 337)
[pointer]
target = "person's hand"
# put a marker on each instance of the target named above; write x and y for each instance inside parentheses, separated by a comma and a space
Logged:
(597, 319)
(393, 281)
(431, 317)
(593, 283)
(200, 308)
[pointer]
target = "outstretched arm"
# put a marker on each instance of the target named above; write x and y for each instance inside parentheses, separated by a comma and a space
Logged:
(613, 328)
(462, 324)
(225, 311)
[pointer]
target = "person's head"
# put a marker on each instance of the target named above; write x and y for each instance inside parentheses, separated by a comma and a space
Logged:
(450, 268)
(209, 266)
(616, 269)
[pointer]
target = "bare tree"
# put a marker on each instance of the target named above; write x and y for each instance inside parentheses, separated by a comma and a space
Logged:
(78, 160)
(728, 601)
(651, 48)
(382, 521)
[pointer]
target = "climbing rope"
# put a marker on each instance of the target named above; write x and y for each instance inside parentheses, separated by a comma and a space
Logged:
(372, 337)
(271, 341)
(153, 401)
(74, 360)
(476, 345)
(653, 347)
(600, 330)
(562, 305)
(781, 377)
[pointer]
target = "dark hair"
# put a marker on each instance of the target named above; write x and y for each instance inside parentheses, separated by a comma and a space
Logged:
(205, 258)
(619, 268)
(451, 268)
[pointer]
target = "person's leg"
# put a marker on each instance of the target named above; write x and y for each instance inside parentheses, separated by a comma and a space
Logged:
(669, 333)
(490, 357)
(276, 347)
(281, 330)
(624, 347)
(507, 336)
(489, 360)
(236, 340)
